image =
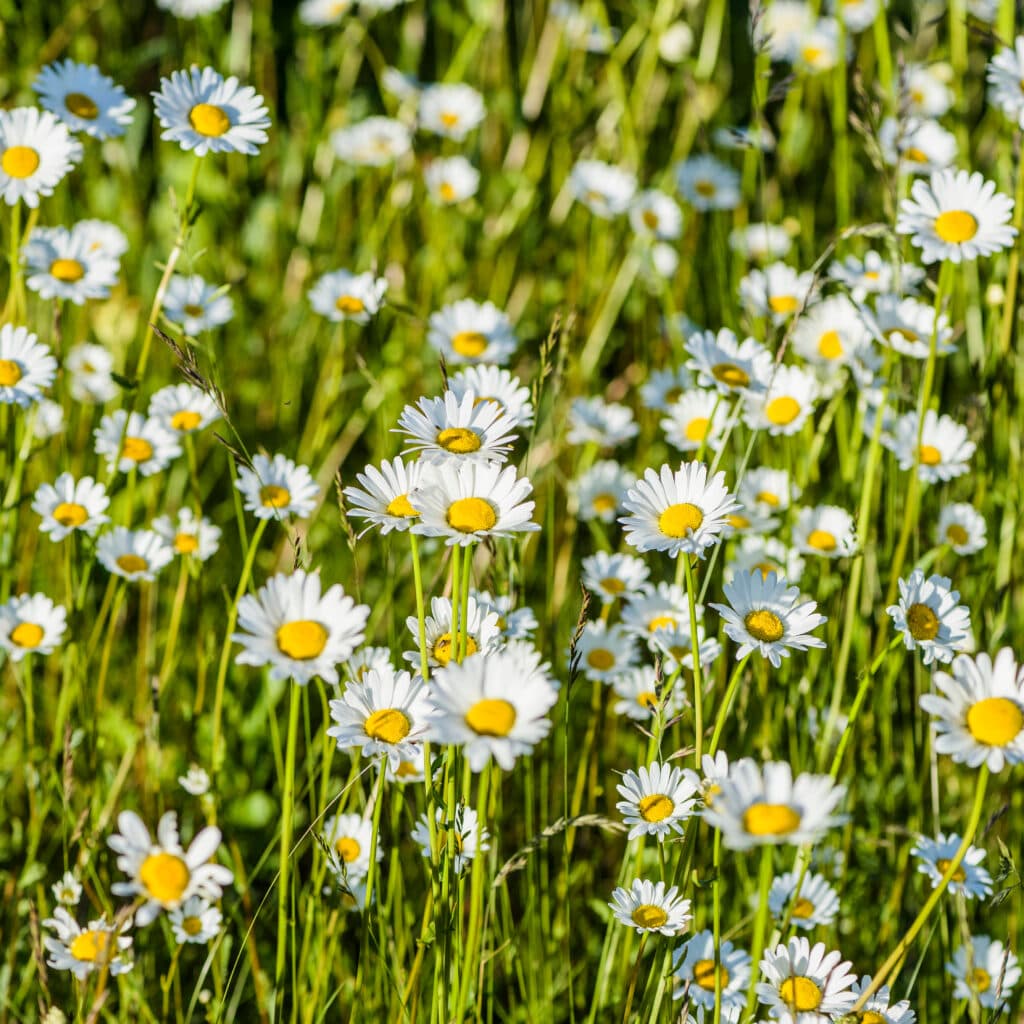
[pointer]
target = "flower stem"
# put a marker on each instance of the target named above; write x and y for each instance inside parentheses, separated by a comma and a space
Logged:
(760, 924)
(417, 577)
(698, 680)
(723, 710)
(287, 801)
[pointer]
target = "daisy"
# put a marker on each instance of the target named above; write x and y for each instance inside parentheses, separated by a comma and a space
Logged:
(962, 527)
(723, 362)
(190, 9)
(767, 490)
(595, 421)
(677, 512)
(68, 505)
(765, 555)
(195, 305)
(824, 530)
(133, 554)
(969, 880)
(653, 608)
(693, 969)
(382, 498)
(342, 295)
(68, 891)
(605, 651)
(782, 26)
(881, 1005)
(449, 431)
(907, 326)
(471, 837)
(986, 971)
(816, 905)
(766, 615)
(930, 617)
(36, 151)
(873, 276)
(101, 236)
(195, 781)
(714, 770)
(192, 537)
(656, 800)
(759, 805)
(777, 291)
(697, 419)
(195, 921)
(943, 452)
(916, 146)
(614, 576)
(857, 15)
(602, 188)
(1005, 73)
(806, 984)
(513, 623)
(490, 708)
(654, 214)
(132, 441)
(451, 110)
(386, 713)
(471, 332)
(276, 488)
(164, 873)
(99, 945)
(49, 421)
(663, 388)
(761, 241)
(62, 265)
(407, 772)
(831, 333)
(819, 48)
(600, 491)
(649, 907)
(495, 384)
(956, 216)
(925, 90)
(31, 624)
(979, 717)
(324, 12)
(297, 630)
(708, 184)
(84, 99)
(749, 520)
(466, 503)
(675, 645)
(26, 366)
(785, 407)
(366, 658)
(183, 408)
(639, 699)
(372, 142)
(204, 112)
(90, 367)
(451, 180)
(350, 837)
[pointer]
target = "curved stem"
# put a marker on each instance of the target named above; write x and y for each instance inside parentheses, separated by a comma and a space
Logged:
(723, 710)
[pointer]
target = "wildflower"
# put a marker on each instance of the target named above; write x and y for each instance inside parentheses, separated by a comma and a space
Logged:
(697, 419)
(195, 781)
(68, 505)
(824, 530)
(600, 491)
(767, 490)
(765, 555)
(663, 388)
(191, 536)
(785, 407)
(36, 151)
(101, 236)
(61, 264)
(68, 891)
(595, 421)
(639, 699)
(513, 623)
(943, 451)
(816, 905)
(714, 770)
(916, 146)
(1005, 73)
(654, 214)
(805, 983)
(452, 431)
(190, 9)
(451, 110)
(777, 291)
(675, 646)
(471, 837)
(366, 658)
(195, 305)
(324, 12)
(962, 527)
(132, 441)
(133, 554)
(873, 276)
(818, 49)
(497, 385)
(708, 184)
(342, 295)
(383, 496)
(372, 142)
(450, 180)
(926, 91)
(276, 488)
(90, 368)
(471, 332)
(656, 800)
(31, 624)
(604, 651)
(350, 837)
(728, 365)
(986, 971)
(603, 189)
(183, 408)
(693, 969)
(614, 576)
(49, 420)
(651, 609)
(84, 950)
(935, 855)
(857, 14)
(26, 366)
(195, 921)
(831, 333)
(881, 1005)
(930, 618)
(907, 326)
(84, 98)
(649, 907)
(761, 241)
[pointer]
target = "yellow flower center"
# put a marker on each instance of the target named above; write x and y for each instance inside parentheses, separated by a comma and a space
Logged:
(348, 849)
(771, 819)
(401, 507)
(69, 513)
(803, 908)
(605, 503)
(822, 540)
(88, 947)
(768, 498)
(871, 1017)
(601, 659)
(812, 54)
(191, 309)
(272, 496)
(612, 585)
(956, 534)
(80, 105)
(697, 429)
(731, 375)
(186, 420)
(491, 717)
(922, 622)
(782, 411)
(898, 334)
(647, 915)
(979, 979)
(929, 455)
(650, 219)
(783, 304)
(459, 440)
(647, 699)
(680, 520)
(767, 567)
(27, 635)
(915, 155)
(406, 770)
(764, 625)
(164, 876)
(443, 648)
(302, 639)
(995, 721)
(447, 191)
(956, 226)
(471, 515)
(10, 373)
(662, 622)
(800, 994)
(738, 522)
(943, 865)
(186, 543)
(656, 807)
(138, 449)
(192, 925)
(209, 120)
(469, 343)
(830, 345)
(704, 975)
(132, 564)
(19, 161)
(449, 119)
(67, 270)
(705, 188)
(349, 305)
(389, 725)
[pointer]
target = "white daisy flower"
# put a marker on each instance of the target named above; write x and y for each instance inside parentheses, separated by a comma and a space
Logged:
(350, 837)
(765, 555)
(195, 782)
(133, 441)
(100, 944)
(759, 805)
(930, 617)
(366, 658)
(677, 512)
(761, 241)
(881, 1005)
(595, 421)
(195, 305)
(297, 630)
(767, 490)
(471, 837)
(164, 873)
(956, 216)
(84, 98)
(857, 15)
(650, 907)
(276, 488)
(723, 362)
(986, 971)
(693, 970)
(764, 615)
(944, 451)
(68, 891)
(183, 408)
(31, 624)
(817, 904)
(708, 184)
(26, 366)
(133, 554)
(916, 146)
(36, 151)
(372, 142)
(750, 520)
(925, 90)
(785, 407)
(451, 431)
(638, 697)
(498, 385)
(654, 214)
(782, 26)
(1005, 72)
(663, 388)
(969, 880)
(713, 772)
(385, 713)
(697, 418)
(471, 332)
(466, 503)
(383, 496)
(656, 800)
(189, 536)
(605, 651)
(777, 291)
(195, 921)
(101, 236)
(600, 491)
(962, 527)
(324, 12)
(824, 530)
(61, 264)
(490, 708)
(873, 276)
(806, 984)
(402, 86)
(206, 113)
(342, 295)
(451, 110)
(190, 9)
(675, 645)
(831, 333)
(818, 49)
(979, 717)
(407, 772)
(513, 623)
(49, 420)
(451, 180)
(907, 326)
(614, 576)
(652, 608)
(602, 188)
(90, 367)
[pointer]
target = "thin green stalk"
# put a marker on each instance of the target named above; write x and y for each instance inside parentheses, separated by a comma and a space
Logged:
(417, 577)
(716, 922)
(723, 710)
(633, 978)
(698, 678)
(287, 810)
(760, 924)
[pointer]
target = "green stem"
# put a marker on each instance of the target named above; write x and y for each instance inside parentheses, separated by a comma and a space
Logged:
(716, 924)
(287, 808)
(417, 577)
(698, 680)
(760, 923)
(723, 710)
